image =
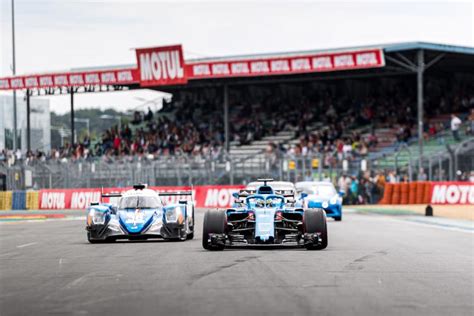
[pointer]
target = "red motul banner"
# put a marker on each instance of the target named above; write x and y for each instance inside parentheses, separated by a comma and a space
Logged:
(219, 196)
(454, 193)
(100, 77)
(370, 58)
(160, 66)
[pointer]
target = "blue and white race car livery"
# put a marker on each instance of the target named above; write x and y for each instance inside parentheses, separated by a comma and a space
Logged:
(139, 215)
(321, 195)
(265, 216)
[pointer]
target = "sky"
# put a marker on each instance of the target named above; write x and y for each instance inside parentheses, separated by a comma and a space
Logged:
(55, 35)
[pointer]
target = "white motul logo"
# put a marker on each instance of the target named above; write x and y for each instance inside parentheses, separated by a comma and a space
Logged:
(453, 194)
(156, 66)
(343, 61)
(366, 59)
(201, 70)
(300, 64)
(80, 200)
(219, 197)
(53, 200)
(322, 62)
(279, 65)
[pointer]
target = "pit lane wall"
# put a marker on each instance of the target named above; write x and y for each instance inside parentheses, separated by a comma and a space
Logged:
(435, 193)
(60, 199)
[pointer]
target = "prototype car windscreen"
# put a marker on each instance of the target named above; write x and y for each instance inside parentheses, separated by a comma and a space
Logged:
(139, 202)
(321, 190)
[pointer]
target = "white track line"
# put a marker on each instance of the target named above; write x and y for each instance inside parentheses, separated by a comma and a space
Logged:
(26, 245)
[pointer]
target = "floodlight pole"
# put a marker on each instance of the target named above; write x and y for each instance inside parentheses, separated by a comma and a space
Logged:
(28, 121)
(15, 127)
(226, 117)
(72, 117)
(419, 70)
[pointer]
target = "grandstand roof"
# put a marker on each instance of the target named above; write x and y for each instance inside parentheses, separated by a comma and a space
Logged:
(388, 48)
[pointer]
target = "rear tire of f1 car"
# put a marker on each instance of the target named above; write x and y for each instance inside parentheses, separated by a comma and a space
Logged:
(338, 218)
(315, 222)
(214, 223)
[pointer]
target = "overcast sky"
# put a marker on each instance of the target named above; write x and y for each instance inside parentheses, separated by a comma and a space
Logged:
(56, 35)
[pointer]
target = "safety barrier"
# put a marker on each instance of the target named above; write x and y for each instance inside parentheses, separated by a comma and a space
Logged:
(19, 200)
(406, 193)
(5, 200)
(220, 196)
(205, 196)
(32, 200)
(423, 192)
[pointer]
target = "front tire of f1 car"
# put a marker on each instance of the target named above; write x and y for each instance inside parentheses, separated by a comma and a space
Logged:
(315, 223)
(214, 223)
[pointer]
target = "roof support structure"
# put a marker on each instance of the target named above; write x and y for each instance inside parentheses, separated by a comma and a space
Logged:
(226, 117)
(419, 75)
(28, 121)
(419, 68)
(72, 119)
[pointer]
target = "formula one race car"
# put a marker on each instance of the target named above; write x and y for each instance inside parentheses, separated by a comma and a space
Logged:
(264, 218)
(139, 215)
(321, 195)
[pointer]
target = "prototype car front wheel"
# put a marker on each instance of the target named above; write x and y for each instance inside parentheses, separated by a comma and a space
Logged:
(214, 223)
(315, 223)
(191, 234)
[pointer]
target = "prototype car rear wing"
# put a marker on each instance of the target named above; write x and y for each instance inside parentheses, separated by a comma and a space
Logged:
(178, 193)
(285, 193)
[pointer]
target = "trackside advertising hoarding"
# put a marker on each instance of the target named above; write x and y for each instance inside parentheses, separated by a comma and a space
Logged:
(72, 79)
(452, 193)
(204, 196)
(351, 60)
(160, 66)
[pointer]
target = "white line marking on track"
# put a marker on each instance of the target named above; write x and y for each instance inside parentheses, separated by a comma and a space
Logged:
(26, 245)
(461, 229)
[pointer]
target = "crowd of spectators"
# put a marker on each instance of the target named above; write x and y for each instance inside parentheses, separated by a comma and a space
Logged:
(338, 126)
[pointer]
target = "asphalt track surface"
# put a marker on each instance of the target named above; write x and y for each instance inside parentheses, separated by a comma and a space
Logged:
(374, 265)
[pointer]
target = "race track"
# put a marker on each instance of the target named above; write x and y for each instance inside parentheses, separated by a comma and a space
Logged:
(374, 265)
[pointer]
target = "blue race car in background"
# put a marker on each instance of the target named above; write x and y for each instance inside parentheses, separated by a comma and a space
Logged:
(321, 195)
(140, 215)
(264, 217)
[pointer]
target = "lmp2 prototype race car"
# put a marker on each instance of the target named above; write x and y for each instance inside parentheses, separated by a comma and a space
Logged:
(265, 217)
(319, 194)
(140, 214)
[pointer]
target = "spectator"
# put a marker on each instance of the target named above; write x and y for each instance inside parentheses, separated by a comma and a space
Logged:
(422, 175)
(149, 115)
(471, 122)
(455, 125)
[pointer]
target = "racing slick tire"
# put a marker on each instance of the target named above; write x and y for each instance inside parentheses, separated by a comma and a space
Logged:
(214, 223)
(315, 222)
(338, 218)
(96, 241)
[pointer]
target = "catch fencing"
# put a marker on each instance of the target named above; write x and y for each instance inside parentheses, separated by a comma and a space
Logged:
(448, 165)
